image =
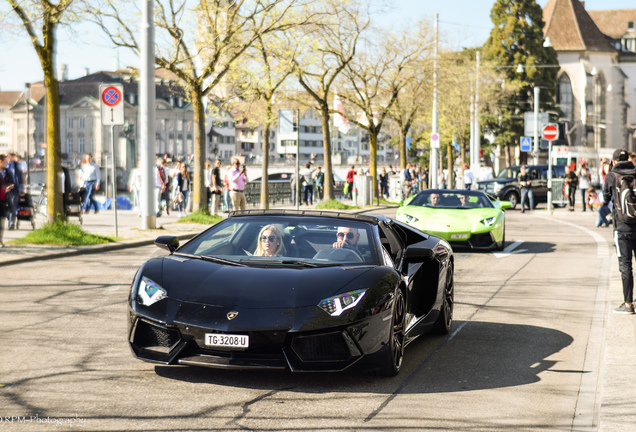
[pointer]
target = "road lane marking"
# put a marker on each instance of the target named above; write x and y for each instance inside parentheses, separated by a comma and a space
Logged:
(511, 249)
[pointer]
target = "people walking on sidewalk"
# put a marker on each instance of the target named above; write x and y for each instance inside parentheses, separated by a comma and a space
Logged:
(216, 187)
(571, 182)
(5, 188)
(624, 231)
(91, 178)
(525, 182)
(183, 187)
(13, 196)
(585, 181)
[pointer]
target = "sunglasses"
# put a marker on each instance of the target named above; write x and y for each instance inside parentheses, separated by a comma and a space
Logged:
(349, 235)
(271, 239)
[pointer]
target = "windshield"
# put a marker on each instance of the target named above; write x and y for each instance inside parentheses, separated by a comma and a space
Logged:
(452, 199)
(286, 241)
(509, 173)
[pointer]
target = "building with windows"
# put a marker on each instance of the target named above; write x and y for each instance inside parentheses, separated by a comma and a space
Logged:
(7, 100)
(81, 130)
(597, 80)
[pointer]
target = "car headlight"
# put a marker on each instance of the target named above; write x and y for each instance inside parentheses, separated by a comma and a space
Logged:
(497, 187)
(410, 219)
(150, 292)
(488, 221)
(335, 306)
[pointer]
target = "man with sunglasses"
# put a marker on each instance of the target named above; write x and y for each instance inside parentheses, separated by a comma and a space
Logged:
(347, 238)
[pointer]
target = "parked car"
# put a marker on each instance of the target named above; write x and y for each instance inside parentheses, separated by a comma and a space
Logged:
(311, 305)
(506, 187)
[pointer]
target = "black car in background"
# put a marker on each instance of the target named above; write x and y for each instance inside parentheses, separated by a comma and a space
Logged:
(506, 187)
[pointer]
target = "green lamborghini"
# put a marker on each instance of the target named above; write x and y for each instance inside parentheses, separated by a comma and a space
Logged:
(464, 218)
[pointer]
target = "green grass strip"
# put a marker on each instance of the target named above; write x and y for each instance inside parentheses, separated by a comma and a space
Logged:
(61, 233)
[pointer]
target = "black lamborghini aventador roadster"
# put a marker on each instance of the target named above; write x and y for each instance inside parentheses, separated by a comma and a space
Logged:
(296, 290)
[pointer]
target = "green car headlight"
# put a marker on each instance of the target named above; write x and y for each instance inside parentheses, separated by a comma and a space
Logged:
(336, 305)
(150, 292)
(488, 221)
(410, 219)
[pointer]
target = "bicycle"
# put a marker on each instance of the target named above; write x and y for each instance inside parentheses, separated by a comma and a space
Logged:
(39, 204)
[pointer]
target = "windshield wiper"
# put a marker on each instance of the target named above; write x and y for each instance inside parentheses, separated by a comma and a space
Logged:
(214, 259)
(287, 263)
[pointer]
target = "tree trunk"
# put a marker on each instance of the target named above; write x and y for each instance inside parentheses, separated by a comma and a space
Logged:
(265, 162)
(54, 208)
(373, 163)
(451, 176)
(199, 194)
(326, 137)
(403, 150)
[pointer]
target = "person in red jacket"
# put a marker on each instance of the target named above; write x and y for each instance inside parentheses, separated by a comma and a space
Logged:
(350, 174)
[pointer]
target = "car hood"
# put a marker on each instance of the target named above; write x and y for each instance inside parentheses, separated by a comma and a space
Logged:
(447, 220)
(198, 281)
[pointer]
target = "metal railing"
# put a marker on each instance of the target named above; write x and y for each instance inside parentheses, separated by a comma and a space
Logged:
(558, 197)
(280, 193)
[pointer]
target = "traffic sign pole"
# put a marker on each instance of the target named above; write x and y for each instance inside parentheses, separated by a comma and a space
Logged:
(551, 133)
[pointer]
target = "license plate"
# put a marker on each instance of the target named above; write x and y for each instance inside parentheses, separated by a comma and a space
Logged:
(227, 340)
(459, 236)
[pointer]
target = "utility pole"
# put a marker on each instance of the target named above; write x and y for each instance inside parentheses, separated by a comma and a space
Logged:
(147, 117)
(433, 170)
(535, 152)
(475, 162)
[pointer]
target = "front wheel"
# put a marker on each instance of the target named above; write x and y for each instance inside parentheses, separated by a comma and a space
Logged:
(394, 350)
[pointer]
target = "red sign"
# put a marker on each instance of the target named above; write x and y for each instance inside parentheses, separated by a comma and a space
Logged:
(550, 132)
(111, 96)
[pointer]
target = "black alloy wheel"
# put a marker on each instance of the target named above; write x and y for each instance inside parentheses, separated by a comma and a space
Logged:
(445, 318)
(394, 350)
(503, 241)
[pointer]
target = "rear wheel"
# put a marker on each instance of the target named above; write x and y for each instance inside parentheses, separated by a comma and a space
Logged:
(445, 319)
(394, 350)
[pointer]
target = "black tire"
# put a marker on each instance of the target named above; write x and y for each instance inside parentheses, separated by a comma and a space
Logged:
(445, 318)
(393, 352)
(513, 198)
(503, 241)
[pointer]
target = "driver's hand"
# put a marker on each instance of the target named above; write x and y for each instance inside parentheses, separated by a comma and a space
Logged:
(339, 244)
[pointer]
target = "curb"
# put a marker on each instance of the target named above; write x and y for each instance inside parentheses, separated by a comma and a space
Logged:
(82, 250)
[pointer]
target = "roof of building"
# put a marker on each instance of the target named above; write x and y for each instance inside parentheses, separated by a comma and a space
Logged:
(571, 28)
(613, 23)
(72, 91)
(9, 98)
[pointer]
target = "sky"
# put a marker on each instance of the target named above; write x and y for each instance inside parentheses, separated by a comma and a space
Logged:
(462, 23)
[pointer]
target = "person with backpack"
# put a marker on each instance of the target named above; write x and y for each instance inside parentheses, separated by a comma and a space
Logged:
(619, 188)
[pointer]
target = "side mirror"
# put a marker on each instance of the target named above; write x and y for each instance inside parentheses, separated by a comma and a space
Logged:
(169, 243)
(418, 252)
(503, 204)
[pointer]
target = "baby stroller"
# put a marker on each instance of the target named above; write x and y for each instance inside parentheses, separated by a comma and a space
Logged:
(74, 205)
(26, 212)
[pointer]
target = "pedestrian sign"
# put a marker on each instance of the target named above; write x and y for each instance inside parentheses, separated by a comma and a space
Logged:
(111, 98)
(526, 144)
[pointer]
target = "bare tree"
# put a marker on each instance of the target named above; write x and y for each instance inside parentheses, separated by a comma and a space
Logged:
(375, 78)
(199, 41)
(41, 19)
(257, 78)
(330, 47)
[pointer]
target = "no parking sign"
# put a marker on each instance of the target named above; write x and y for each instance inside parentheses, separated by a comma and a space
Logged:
(111, 97)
